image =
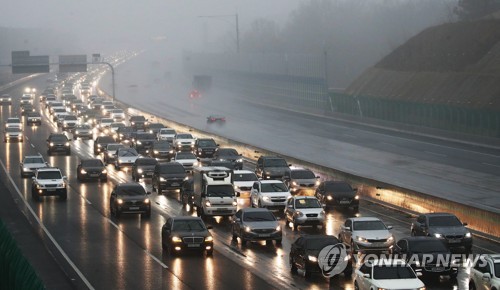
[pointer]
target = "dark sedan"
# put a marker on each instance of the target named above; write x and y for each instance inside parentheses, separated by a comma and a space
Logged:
(256, 224)
(337, 193)
(91, 169)
(162, 150)
(129, 198)
(101, 142)
(143, 168)
(186, 233)
(229, 155)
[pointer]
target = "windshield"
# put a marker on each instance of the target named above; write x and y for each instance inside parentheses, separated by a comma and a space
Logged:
(114, 147)
(260, 216)
(368, 226)
(207, 143)
(15, 120)
(307, 203)
(318, 244)
(32, 160)
(273, 187)
(156, 125)
(188, 226)
(58, 138)
(184, 136)
(145, 136)
(106, 120)
(92, 163)
(427, 246)
(275, 162)
(59, 110)
(245, 177)
(171, 169)
(126, 129)
(117, 111)
(497, 269)
(71, 118)
(302, 174)
(106, 139)
(137, 118)
(220, 191)
(132, 191)
(444, 221)
(83, 127)
(227, 152)
(117, 125)
(338, 187)
(146, 161)
(167, 131)
(393, 272)
(12, 129)
(185, 156)
(128, 152)
(49, 175)
(161, 145)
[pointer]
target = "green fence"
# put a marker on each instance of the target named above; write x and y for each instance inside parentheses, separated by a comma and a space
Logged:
(473, 121)
(15, 271)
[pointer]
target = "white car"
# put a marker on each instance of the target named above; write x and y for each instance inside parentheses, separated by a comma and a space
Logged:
(105, 125)
(269, 194)
(304, 211)
(13, 122)
(125, 157)
(26, 99)
(117, 115)
(48, 182)
(386, 274)
(31, 163)
(13, 133)
(486, 275)
(366, 234)
(184, 142)
(69, 122)
(166, 134)
(186, 159)
(243, 181)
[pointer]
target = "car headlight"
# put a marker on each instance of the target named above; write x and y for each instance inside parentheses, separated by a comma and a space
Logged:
(278, 228)
(356, 197)
(248, 229)
(299, 213)
(195, 163)
(294, 183)
(62, 184)
(312, 258)
(176, 239)
(99, 145)
(235, 203)
(77, 132)
(162, 179)
(236, 187)
(51, 144)
(439, 236)
(66, 144)
(239, 160)
(120, 201)
(110, 154)
(422, 288)
(139, 170)
(156, 151)
(104, 171)
(317, 182)
(83, 171)
(186, 178)
(322, 213)
(192, 142)
(362, 239)
(390, 239)
(147, 201)
(133, 123)
(208, 204)
(329, 197)
(266, 198)
(209, 239)
(468, 235)
(139, 142)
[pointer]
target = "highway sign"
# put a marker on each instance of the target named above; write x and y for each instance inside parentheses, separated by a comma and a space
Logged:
(72, 63)
(23, 63)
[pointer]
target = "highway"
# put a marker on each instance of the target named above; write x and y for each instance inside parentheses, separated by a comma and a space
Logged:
(125, 253)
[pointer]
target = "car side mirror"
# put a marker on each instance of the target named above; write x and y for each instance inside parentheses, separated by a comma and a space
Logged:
(237, 194)
(486, 277)
(389, 227)
(240, 154)
(355, 189)
(348, 229)
(290, 206)
(366, 275)
(318, 177)
(238, 220)
(323, 205)
(209, 227)
(65, 178)
(33, 178)
(278, 218)
(419, 274)
(218, 145)
(290, 164)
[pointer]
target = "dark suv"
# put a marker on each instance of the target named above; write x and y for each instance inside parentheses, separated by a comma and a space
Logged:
(101, 142)
(337, 193)
(138, 122)
(58, 143)
(129, 198)
(168, 176)
(271, 167)
(162, 150)
(143, 142)
(124, 134)
(205, 148)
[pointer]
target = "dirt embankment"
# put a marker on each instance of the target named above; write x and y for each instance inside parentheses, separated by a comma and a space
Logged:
(454, 63)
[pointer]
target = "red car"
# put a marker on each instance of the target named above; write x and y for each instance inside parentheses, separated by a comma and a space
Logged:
(215, 118)
(195, 94)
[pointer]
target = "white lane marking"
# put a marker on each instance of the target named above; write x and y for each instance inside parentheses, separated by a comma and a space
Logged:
(349, 135)
(156, 259)
(434, 153)
(388, 144)
(56, 244)
(113, 224)
(489, 164)
(88, 201)
(33, 146)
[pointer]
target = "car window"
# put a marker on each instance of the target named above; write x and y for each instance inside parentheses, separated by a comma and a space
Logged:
(207, 143)
(383, 272)
(184, 136)
(127, 152)
(172, 169)
(49, 175)
(185, 155)
(94, 162)
(245, 177)
(146, 161)
(273, 187)
(131, 191)
(337, 187)
(444, 221)
(227, 152)
(302, 174)
(33, 160)
(58, 138)
(188, 226)
(260, 216)
(275, 162)
(368, 226)
(307, 203)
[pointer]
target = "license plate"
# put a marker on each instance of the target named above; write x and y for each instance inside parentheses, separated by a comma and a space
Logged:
(193, 245)
(149, 173)
(134, 208)
(51, 189)
(344, 202)
(175, 184)
(94, 175)
(454, 241)
(437, 269)
(264, 235)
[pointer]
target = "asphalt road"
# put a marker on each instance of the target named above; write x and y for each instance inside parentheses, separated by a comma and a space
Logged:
(126, 253)
(464, 173)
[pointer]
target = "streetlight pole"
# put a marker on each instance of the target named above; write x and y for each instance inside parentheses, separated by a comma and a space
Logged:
(237, 24)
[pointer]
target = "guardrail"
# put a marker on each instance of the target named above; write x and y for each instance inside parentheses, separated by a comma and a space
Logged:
(480, 220)
(15, 271)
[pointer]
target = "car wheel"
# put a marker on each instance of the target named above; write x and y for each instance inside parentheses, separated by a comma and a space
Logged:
(235, 236)
(259, 204)
(278, 242)
(356, 286)
(210, 253)
(293, 267)
(413, 233)
(472, 286)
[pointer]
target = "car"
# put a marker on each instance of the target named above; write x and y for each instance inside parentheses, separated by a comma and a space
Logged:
(89, 169)
(187, 159)
(428, 255)
(304, 211)
(5, 99)
(167, 134)
(138, 122)
(386, 274)
(162, 150)
(13, 122)
(269, 194)
(114, 128)
(337, 194)
(216, 119)
(186, 233)
(143, 167)
(168, 176)
(26, 99)
(271, 167)
(243, 181)
(30, 164)
(58, 115)
(69, 122)
(366, 235)
(129, 198)
(143, 142)
(125, 157)
(444, 226)
(184, 142)
(26, 109)
(101, 142)
(304, 253)
(110, 151)
(231, 155)
(486, 275)
(82, 131)
(104, 125)
(34, 118)
(154, 128)
(205, 147)
(58, 143)
(117, 115)
(124, 134)
(13, 134)
(49, 99)
(48, 182)
(218, 163)
(301, 180)
(106, 110)
(256, 224)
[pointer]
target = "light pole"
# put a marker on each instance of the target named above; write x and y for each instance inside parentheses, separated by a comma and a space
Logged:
(237, 24)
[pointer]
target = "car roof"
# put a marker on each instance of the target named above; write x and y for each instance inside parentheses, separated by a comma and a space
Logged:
(33, 156)
(434, 214)
(360, 219)
(129, 184)
(49, 169)
(251, 209)
(270, 181)
(185, 218)
(243, 172)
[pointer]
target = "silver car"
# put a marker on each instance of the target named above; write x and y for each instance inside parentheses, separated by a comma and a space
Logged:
(304, 211)
(30, 164)
(301, 179)
(366, 234)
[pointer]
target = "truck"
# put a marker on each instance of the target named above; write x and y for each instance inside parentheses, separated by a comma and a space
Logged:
(213, 192)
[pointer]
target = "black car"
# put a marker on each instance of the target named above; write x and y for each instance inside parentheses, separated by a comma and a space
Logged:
(124, 134)
(91, 169)
(444, 226)
(34, 118)
(154, 128)
(168, 176)
(101, 142)
(414, 249)
(129, 198)
(231, 155)
(138, 122)
(337, 193)
(143, 142)
(186, 233)
(205, 147)
(271, 167)
(221, 163)
(82, 131)
(143, 167)
(26, 109)
(58, 143)
(304, 254)
(162, 150)
(256, 224)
